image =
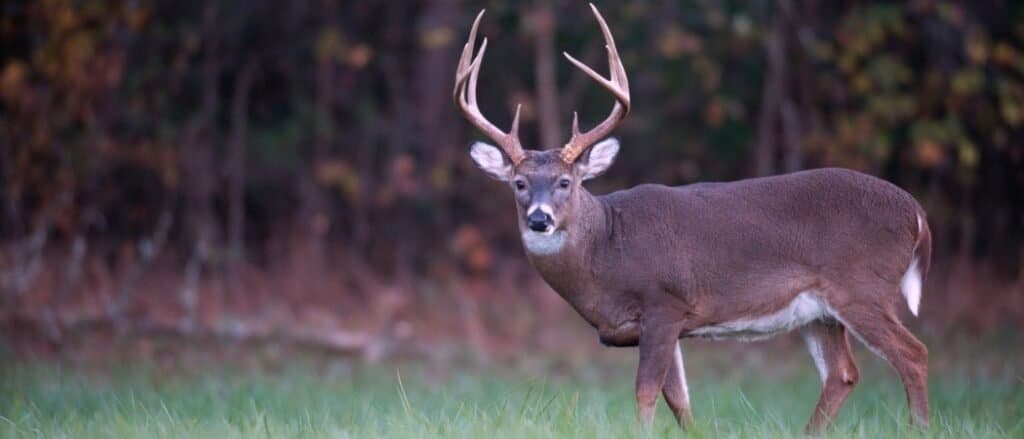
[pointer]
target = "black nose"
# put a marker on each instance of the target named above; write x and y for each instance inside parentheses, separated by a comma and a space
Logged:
(538, 221)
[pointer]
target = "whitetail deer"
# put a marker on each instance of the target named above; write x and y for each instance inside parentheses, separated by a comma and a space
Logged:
(826, 251)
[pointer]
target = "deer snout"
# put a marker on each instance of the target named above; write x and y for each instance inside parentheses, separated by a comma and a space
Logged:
(539, 221)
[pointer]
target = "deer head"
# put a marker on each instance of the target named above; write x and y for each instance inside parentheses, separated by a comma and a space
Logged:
(545, 182)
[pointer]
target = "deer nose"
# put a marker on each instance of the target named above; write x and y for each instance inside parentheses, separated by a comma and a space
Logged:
(538, 221)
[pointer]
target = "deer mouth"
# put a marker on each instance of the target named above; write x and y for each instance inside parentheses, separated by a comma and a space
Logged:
(544, 229)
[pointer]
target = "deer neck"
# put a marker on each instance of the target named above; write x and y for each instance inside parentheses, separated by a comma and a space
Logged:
(564, 260)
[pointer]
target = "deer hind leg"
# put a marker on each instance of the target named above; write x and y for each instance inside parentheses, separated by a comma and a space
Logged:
(830, 348)
(676, 393)
(881, 331)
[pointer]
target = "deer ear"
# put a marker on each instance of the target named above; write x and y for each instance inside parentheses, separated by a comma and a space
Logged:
(490, 159)
(598, 158)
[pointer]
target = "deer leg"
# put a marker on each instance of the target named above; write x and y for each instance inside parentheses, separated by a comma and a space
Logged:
(830, 348)
(676, 393)
(883, 333)
(658, 343)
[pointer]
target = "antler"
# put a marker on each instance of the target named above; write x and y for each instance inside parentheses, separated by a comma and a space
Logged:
(465, 96)
(618, 85)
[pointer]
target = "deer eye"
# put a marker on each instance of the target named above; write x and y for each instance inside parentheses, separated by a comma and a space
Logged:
(520, 184)
(564, 183)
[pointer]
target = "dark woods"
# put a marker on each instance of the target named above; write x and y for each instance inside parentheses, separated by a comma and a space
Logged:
(298, 170)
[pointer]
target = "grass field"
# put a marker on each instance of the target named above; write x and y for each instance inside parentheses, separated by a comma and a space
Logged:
(972, 394)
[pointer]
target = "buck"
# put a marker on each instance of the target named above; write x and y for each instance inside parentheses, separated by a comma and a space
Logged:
(828, 252)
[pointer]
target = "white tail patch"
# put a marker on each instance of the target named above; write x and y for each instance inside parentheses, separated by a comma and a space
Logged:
(910, 285)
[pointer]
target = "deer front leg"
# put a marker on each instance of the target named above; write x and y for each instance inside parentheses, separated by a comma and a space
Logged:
(676, 393)
(657, 345)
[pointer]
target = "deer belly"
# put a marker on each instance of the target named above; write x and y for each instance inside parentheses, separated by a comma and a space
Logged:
(804, 309)
(624, 335)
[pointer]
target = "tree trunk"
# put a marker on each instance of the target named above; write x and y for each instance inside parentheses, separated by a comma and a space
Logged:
(771, 101)
(314, 221)
(236, 157)
(780, 126)
(544, 71)
(434, 74)
(236, 160)
(198, 174)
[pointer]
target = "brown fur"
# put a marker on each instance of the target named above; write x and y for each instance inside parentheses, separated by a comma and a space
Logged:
(650, 265)
(647, 265)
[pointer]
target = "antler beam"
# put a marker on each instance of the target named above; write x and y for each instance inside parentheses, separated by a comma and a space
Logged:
(465, 97)
(618, 85)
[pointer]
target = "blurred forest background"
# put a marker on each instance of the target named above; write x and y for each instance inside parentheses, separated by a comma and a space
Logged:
(259, 169)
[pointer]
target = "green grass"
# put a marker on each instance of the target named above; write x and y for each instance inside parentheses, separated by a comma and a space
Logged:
(345, 399)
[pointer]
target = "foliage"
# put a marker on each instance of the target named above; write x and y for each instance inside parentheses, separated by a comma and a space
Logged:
(328, 126)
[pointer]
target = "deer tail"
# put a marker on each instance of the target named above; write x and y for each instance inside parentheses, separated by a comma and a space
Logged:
(916, 273)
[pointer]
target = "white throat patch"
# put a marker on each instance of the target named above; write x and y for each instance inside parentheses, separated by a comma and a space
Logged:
(539, 243)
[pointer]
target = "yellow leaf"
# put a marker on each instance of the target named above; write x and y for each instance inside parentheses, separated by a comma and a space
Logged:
(823, 51)
(976, 47)
(329, 44)
(80, 47)
(12, 77)
(968, 154)
(928, 153)
(339, 174)
(1005, 54)
(714, 113)
(437, 37)
(137, 19)
(709, 72)
(1011, 113)
(440, 178)
(967, 81)
(848, 62)
(359, 56)
(862, 83)
(675, 42)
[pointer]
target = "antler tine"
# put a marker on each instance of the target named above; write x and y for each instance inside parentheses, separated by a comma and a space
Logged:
(615, 67)
(618, 85)
(465, 97)
(466, 57)
(474, 73)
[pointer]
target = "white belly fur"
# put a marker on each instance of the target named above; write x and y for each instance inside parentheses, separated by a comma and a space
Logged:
(805, 308)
